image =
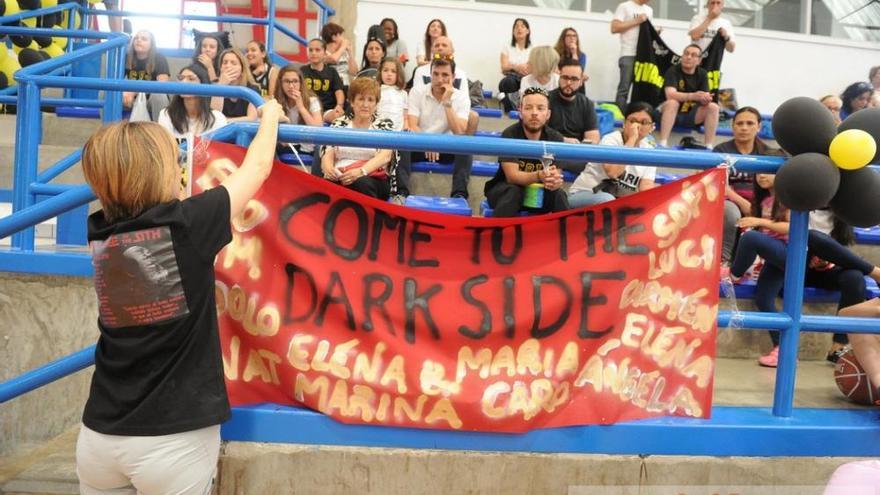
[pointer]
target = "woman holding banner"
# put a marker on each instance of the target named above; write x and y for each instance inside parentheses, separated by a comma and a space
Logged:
(152, 420)
(361, 169)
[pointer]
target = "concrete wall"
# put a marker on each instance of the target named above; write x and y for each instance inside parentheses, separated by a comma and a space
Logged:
(767, 68)
(44, 318)
(247, 468)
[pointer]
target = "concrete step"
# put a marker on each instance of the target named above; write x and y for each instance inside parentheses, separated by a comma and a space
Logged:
(60, 131)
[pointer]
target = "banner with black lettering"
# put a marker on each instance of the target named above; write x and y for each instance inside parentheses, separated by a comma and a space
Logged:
(378, 314)
(654, 58)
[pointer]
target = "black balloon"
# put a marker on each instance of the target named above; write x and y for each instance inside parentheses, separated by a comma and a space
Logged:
(867, 120)
(3, 7)
(803, 125)
(4, 82)
(807, 181)
(30, 4)
(29, 56)
(858, 198)
(43, 41)
(21, 41)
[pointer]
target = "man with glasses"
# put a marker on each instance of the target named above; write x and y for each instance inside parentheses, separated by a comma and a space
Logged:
(571, 112)
(507, 191)
(704, 27)
(688, 100)
(603, 182)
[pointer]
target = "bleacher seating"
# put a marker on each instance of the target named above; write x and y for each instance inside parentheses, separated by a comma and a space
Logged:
(746, 290)
(452, 206)
(290, 158)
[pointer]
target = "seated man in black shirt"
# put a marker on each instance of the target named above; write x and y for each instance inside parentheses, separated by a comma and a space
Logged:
(688, 100)
(572, 114)
(506, 191)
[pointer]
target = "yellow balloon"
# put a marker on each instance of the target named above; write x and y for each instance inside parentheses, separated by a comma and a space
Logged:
(61, 41)
(54, 50)
(31, 23)
(852, 149)
(8, 66)
(4, 52)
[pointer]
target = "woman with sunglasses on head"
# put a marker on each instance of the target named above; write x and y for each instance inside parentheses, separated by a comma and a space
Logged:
(603, 182)
(188, 114)
(374, 52)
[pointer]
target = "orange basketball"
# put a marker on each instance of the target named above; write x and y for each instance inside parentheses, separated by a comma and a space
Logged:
(852, 380)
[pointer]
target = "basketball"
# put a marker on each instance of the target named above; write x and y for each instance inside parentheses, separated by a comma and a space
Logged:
(852, 380)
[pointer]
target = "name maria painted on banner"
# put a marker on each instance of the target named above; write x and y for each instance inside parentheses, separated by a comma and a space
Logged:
(378, 314)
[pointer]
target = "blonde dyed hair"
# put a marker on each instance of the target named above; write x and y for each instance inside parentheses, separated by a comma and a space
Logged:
(543, 60)
(131, 167)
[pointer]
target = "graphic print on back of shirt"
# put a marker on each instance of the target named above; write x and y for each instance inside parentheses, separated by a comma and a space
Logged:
(137, 278)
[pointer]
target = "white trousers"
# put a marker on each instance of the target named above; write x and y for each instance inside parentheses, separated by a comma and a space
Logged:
(183, 463)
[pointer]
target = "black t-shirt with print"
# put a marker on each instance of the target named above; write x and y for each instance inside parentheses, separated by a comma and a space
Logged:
(158, 367)
(686, 83)
(324, 83)
(139, 69)
(516, 131)
(572, 118)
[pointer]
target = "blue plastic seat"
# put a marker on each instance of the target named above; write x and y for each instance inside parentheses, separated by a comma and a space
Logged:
(495, 113)
(290, 158)
(451, 206)
(870, 235)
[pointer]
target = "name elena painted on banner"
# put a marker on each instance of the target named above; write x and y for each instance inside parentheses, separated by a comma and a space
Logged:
(653, 358)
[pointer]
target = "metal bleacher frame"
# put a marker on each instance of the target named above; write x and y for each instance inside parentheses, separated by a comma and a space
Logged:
(742, 431)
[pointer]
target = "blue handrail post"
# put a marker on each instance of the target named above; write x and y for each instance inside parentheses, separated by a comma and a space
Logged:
(27, 141)
(270, 31)
(112, 99)
(789, 340)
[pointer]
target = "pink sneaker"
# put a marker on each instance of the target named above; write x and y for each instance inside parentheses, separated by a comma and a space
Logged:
(725, 274)
(771, 359)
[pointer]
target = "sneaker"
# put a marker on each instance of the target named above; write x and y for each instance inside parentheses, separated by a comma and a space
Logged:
(771, 360)
(398, 199)
(837, 350)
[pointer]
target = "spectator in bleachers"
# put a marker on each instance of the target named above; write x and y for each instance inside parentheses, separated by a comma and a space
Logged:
(374, 52)
(544, 61)
(233, 72)
(437, 108)
(393, 101)
(572, 113)
(746, 125)
(394, 46)
(324, 81)
(704, 27)
(191, 114)
(855, 97)
(442, 48)
(436, 28)
(298, 101)
(361, 169)
(603, 182)
(874, 77)
(143, 62)
(515, 63)
(207, 53)
(339, 54)
(627, 18)
(568, 46)
(875, 100)
(518, 177)
(688, 100)
(833, 104)
(263, 72)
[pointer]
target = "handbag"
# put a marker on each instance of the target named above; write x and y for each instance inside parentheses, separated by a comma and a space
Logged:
(139, 110)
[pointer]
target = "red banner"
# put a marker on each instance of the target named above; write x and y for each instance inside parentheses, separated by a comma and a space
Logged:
(378, 314)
